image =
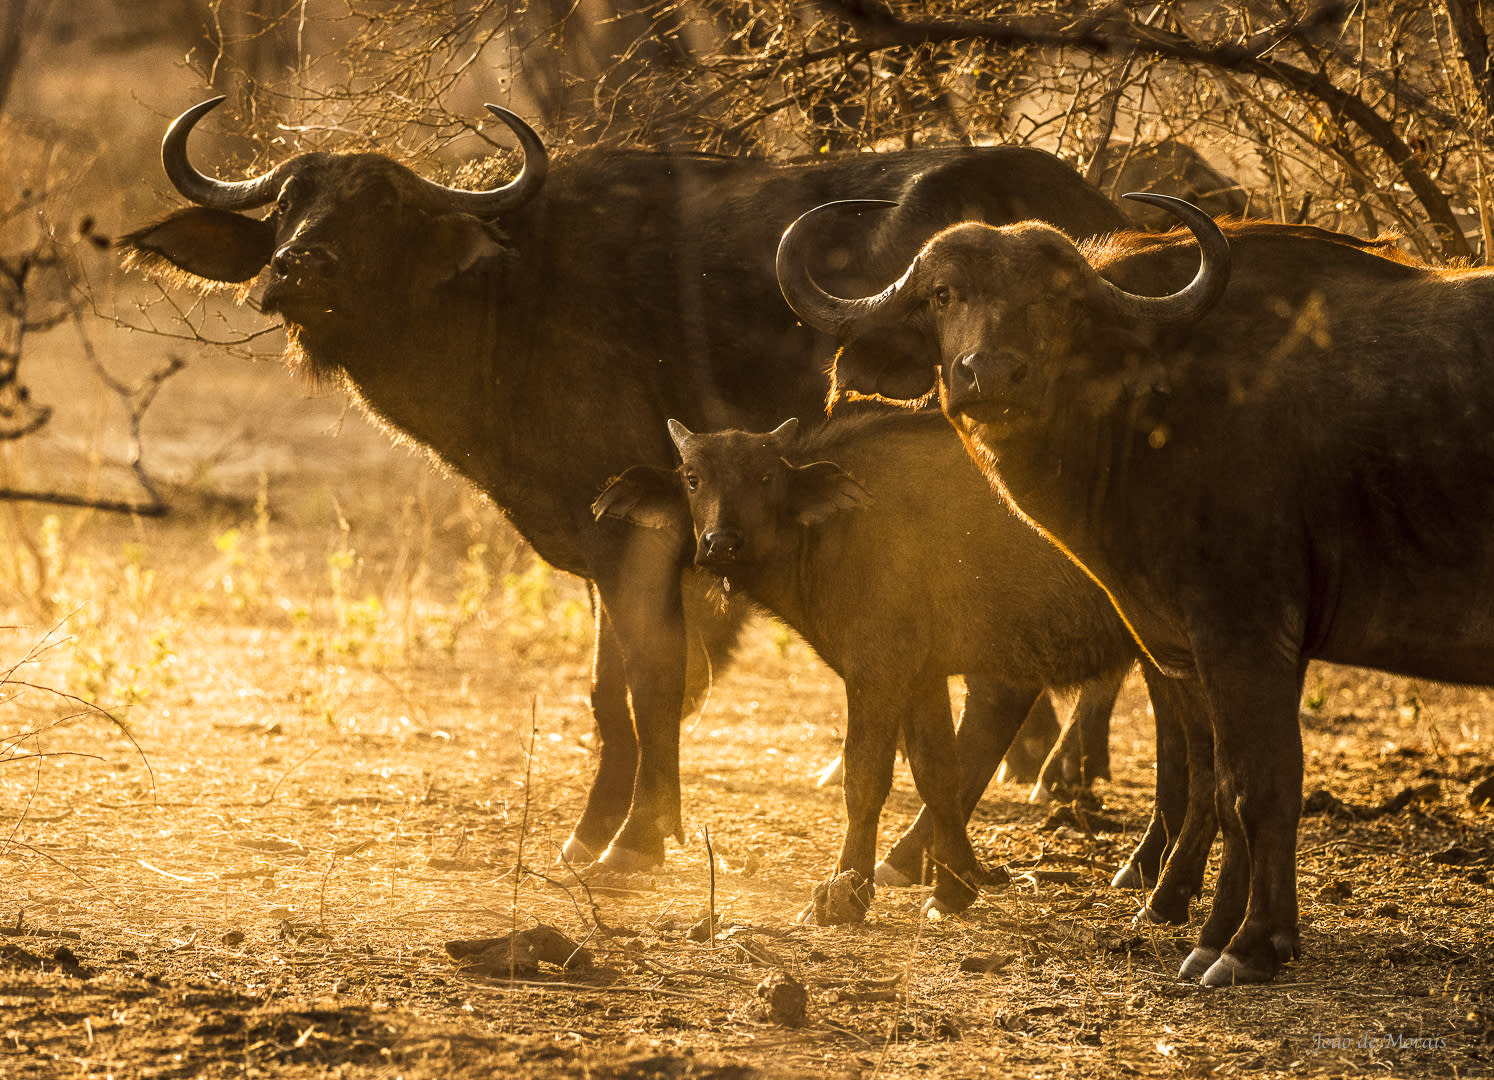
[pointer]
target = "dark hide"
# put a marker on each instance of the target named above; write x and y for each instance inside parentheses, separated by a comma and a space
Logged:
(538, 355)
(1305, 472)
(880, 544)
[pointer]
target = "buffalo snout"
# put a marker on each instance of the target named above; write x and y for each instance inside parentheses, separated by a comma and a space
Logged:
(717, 546)
(985, 376)
(300, 262)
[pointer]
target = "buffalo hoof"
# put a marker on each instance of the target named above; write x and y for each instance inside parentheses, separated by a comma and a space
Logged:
(576, 854)
(1040, 795)
(843, 899)
(620, 860)
(1164, 909)
(935, 909)
(891, 876)
(1230, 970)
(1147, 916)
(1128, 877)
(1199, 961)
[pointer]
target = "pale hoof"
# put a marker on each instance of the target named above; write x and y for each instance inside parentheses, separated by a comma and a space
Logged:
(1128, 877)
(1199, 961)
(1232, 971)
(575, 854)
(889, 875)
(1040, 795)
(1004, 773)
(934, 910)
(1146, 917)
(622, 861)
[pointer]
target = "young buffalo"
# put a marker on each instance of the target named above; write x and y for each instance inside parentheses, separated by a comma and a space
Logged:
(878, 541)
(1289, 460)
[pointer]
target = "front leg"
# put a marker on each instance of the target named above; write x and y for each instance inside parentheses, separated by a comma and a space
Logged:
(612, 789)
(1180, 704)
(1170, 806)
(1258, 762)
(929, 733)
(993, 714)
(639, 587)
(873, 708)
(1081, 753)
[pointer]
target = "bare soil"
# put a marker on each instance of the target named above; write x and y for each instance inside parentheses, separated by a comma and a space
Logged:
(350, 738)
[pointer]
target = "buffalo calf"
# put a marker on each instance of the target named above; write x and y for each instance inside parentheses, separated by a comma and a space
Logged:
(878, 541)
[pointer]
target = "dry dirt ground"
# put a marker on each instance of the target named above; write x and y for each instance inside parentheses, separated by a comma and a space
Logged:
(350, 736)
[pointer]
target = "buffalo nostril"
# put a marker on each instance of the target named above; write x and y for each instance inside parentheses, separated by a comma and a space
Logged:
(721, 545)
(1018, 373)
(297, 260)
(965, 368)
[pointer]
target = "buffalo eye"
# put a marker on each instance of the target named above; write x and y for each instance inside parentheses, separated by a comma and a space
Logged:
(943, 296)
(287, 196)
(692, 482)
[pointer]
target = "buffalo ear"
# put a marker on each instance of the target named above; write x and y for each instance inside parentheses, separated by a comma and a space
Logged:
(822, 489)
(894, 363)
(211, 244)
(452, 245)
(645, 495)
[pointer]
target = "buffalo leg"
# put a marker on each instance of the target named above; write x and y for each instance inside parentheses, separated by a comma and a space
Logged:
(1180, 703)
(1171, 806)
(1081, 753)
(1258, 759)
(929, 733)
(874, 711)
(612, 788)
(993, 713)
(1034, 739)
(641, 598)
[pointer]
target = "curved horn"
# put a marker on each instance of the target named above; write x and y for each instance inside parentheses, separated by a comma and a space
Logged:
(786, 430)
(204, 190)
(247, 194)
(1194, 299)
(522, 188)
(819, 309)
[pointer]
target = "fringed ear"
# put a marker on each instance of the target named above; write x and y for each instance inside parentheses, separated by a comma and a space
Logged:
(647, 496)
(822, 489)
(206, 246)
(897, 364)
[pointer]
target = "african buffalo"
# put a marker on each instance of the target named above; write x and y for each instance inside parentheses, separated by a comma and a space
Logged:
(1171, 167)
(1292, 458)
(878, 541)
(535, 337)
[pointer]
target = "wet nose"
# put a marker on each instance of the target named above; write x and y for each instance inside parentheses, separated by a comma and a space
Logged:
(718, 545)
(299, 261)
(979, 372)
(984, 376)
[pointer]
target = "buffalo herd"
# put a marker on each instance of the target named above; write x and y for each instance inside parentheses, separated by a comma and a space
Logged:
(993, 432)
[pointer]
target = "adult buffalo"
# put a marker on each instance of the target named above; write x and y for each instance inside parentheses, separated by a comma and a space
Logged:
(1290, 460)
(536, 336)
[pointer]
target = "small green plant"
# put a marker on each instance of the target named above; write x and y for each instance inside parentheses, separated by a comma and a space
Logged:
(245, 571)
(474, 587)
